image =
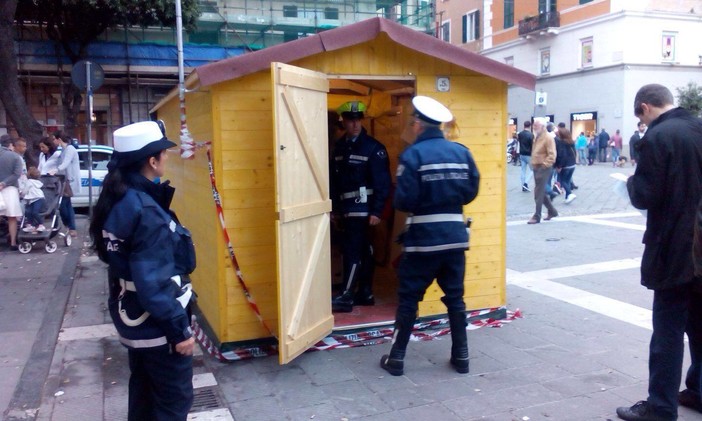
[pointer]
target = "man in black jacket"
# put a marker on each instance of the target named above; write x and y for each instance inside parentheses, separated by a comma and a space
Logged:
(668, 184)
(634, 141)
(525, 138)
(603, 140)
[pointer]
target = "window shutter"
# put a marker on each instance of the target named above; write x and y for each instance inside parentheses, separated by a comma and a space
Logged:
(477, 25)
(465, 29)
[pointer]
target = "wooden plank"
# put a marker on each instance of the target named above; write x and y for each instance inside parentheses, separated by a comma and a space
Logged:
(304, 291)
(247, 160)
(245, 100)
(299, 125)
(293, 213)
(250, 178)
(247, 198)
(295, 348)
(245, 120)
(247, 140)
(348, 85)
(290, 77)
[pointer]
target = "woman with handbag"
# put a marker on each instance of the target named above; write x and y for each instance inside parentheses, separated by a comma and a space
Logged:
(69, 166)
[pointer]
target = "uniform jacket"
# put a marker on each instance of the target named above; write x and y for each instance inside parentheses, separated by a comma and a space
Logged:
(525, 138)
(69, 165)
(633, 142)
(147, 246)
(435, 178)
(363, 163)
(543, 153)
(603, 139)
(668, 184)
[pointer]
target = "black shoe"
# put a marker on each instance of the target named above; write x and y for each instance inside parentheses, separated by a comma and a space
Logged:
(573, 186)
(552, 195)
(342, 304)
(690, 399)
(14, 248)
(364, 300)
(641, 411)
(460, 365)
(392, 366)
(525, 188)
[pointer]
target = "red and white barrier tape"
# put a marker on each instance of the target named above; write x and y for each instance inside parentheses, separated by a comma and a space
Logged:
(422, 331)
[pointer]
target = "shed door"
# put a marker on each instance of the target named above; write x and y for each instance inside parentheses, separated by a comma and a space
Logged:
(303, 206)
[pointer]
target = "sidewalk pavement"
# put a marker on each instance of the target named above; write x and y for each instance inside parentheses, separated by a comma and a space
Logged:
(573, 356)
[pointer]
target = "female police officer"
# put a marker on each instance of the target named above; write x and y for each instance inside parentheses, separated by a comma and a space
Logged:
(149, 256)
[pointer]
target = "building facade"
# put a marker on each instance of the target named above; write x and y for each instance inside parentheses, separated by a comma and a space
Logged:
(590, 57)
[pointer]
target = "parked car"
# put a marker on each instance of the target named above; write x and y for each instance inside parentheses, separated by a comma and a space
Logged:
(101, 156)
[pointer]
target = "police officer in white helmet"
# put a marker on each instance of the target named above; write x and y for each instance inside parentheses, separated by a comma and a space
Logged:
(435, 178)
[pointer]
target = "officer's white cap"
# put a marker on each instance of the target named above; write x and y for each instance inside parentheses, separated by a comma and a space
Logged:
(431, 110)
(137, 141)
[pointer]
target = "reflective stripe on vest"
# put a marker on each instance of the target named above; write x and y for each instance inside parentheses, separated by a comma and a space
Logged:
(355, 214)
(441, 247)
(437, 217)
(358, 157)
(446, 166)
(144, 343)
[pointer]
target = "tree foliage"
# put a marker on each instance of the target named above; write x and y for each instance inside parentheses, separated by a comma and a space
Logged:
(690, 98)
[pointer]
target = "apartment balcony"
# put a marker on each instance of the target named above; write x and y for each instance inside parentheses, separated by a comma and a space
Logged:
(543, 24)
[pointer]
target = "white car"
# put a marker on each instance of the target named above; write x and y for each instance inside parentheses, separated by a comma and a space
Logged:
(101, 156)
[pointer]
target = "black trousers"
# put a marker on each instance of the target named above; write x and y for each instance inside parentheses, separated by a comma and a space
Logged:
(676, 311)
(160, 385)
(417, 271)
(357, 252)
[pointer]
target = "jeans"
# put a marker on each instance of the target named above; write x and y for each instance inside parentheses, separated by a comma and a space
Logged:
(566, 180)
(675, 311)
(615, 155)
(542, 176)
(603, 154)
(526, 169)
(582, 156)
(68, 215)
(32, 212)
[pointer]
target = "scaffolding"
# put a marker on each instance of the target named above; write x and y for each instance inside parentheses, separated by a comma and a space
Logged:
(256, 24)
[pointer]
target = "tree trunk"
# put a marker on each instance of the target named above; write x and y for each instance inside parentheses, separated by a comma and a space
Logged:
(71, 100)
(10, 90)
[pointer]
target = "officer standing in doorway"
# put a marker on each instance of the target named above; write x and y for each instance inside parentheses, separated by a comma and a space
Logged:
(360, 184)
(435, 178)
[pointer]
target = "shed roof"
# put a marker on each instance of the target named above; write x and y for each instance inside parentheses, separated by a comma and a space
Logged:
(357, 33)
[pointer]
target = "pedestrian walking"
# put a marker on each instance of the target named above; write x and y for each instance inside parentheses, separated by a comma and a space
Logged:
(435, 178)
(603, 143)
(565, 161)
(360, 185)
(543, 156)
(581, 146)
(150, 255)
(10, 172)
(525, 138)
(668, 184)
(634, 142)
(616, 144)
(69, 167)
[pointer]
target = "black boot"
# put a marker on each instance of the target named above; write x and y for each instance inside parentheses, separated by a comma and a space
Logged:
(459, 339)
(343, 303)
(393, 363)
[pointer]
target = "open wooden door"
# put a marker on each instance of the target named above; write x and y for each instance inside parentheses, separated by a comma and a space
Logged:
(303, 206)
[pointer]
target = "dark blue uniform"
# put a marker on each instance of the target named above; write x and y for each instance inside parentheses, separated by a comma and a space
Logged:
(360, 185)
(150, 255)
(435, 179)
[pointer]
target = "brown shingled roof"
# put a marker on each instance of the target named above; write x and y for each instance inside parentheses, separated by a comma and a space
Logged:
(354, 34)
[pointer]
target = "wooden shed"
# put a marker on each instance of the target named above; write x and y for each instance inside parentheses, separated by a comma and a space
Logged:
(265, 114)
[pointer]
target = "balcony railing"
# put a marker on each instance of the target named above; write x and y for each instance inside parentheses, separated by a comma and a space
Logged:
(541, 22)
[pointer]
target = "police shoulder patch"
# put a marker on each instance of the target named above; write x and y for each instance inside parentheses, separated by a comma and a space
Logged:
(400, 170)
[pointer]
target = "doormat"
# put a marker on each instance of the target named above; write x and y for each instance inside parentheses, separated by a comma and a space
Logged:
(424, 330)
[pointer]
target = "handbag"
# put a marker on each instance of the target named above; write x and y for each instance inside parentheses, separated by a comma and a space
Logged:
(67, 190)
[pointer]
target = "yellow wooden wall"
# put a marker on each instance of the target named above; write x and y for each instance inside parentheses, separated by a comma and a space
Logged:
(193, 201)
(237, 116)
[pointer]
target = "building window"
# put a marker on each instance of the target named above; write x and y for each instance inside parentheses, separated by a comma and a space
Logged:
(289, 11)
(471, 26)
(509, 61)
(585, 1)
(547, 6)
(668, 46)
(331, 13)
(446, 30)
(545, 61)
(586, 52)
(509, 14)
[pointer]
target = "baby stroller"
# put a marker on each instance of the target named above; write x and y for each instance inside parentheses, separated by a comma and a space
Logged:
(53, 194)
